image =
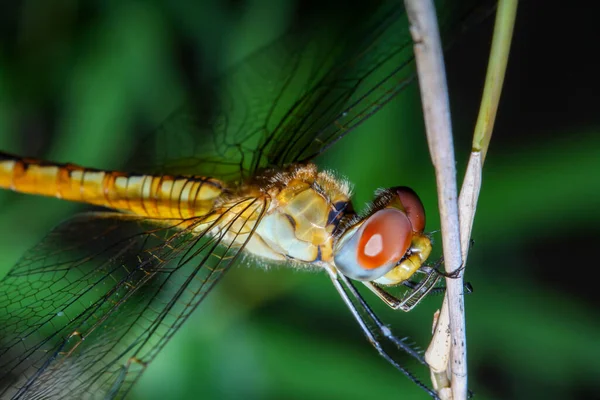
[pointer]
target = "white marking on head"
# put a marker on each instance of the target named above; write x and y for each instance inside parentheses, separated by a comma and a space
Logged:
(374, 246)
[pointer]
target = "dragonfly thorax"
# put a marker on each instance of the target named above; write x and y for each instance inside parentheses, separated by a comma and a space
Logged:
(305, 209)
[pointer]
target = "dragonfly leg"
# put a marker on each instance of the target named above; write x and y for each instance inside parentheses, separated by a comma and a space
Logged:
(468, 288)
(412, 298)
(438, 269)
(366, 317)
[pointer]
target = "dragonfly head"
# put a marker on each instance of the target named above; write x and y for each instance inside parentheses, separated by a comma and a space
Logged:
(387, 245)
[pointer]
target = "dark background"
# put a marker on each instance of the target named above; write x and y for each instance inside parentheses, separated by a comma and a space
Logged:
(82, 82)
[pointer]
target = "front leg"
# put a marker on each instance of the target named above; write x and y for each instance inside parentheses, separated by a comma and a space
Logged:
(412, 298)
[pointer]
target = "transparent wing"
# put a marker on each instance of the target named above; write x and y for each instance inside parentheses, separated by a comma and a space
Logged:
(293, 99)
(375, 63)
(84, 312)
(257, 105)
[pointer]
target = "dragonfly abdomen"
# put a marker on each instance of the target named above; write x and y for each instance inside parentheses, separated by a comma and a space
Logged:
(156, 196)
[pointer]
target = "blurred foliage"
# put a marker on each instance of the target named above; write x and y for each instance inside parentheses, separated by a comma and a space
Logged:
(82, 82)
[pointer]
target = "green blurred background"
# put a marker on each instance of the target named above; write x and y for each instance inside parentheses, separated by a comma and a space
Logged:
(82, 82)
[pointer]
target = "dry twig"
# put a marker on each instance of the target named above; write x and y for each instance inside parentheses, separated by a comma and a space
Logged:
(447, 352)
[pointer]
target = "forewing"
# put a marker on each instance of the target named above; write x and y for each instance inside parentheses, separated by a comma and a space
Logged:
(292, 87)
(233, 136)
(84, 312)
(293, 99)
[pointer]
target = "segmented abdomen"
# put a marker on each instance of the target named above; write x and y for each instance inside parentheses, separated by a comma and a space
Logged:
(148, 195)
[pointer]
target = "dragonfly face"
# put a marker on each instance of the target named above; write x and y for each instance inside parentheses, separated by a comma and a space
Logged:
(388, 245)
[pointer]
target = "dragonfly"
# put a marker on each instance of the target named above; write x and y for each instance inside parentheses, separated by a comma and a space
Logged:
(84, 312)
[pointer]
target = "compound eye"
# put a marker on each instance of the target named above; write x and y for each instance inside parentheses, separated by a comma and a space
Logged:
(384, 239)
(376, 247)
(413, 207)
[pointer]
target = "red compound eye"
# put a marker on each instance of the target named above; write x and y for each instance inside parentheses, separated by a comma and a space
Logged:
(385, 238)
(413, 206)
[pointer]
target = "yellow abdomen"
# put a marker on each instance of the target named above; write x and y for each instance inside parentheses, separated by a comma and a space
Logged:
(146, 195)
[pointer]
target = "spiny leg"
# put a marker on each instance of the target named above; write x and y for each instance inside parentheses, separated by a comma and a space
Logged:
(344, 287)
(438, 290)
(412, 298)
